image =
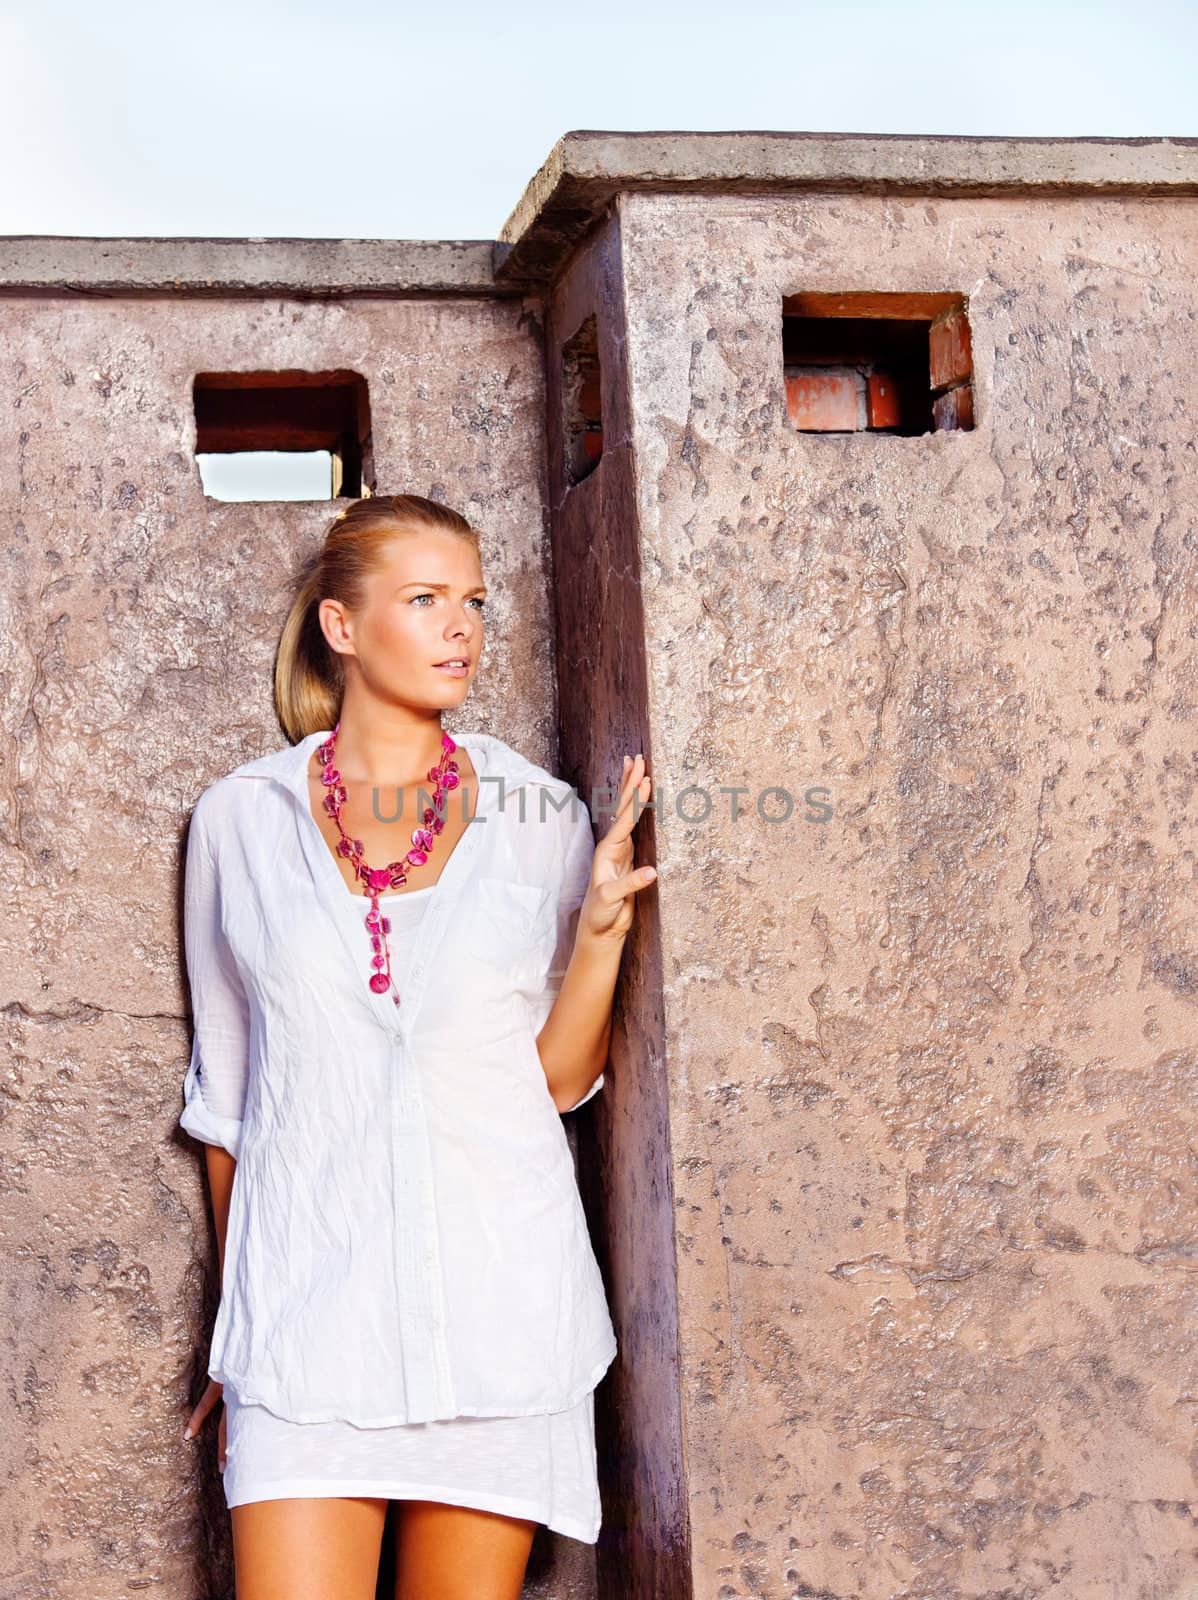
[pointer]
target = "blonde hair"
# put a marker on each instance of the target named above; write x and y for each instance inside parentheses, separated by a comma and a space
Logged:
(309, 676)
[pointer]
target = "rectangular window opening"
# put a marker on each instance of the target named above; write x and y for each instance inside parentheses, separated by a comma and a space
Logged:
(582, 402)
(877, 363)
(289, 435)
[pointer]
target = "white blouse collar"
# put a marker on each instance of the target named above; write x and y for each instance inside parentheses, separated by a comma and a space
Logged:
(492, 759)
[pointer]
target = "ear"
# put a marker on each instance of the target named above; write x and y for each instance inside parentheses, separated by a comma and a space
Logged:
(336, 626)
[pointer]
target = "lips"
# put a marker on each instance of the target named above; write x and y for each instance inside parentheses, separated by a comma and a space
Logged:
(454, 661)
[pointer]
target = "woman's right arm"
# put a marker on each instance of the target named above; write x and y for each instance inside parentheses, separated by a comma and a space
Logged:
(221, 1167)
(214, 1087)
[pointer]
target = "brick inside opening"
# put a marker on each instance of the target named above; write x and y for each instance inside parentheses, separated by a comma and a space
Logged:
(582, 401)
(877, 363)
(290, 412)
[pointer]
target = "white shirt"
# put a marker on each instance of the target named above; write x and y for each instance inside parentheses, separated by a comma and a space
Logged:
(406, 1239)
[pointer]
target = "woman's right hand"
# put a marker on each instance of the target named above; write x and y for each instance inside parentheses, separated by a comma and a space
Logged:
(211, 1395)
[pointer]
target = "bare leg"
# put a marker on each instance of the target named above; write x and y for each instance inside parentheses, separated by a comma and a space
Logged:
(308, 1549)
(448, 1552)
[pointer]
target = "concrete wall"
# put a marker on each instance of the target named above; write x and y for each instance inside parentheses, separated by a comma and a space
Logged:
(140, 621)
(603, 677)
(932, 1063)
(892, 1177)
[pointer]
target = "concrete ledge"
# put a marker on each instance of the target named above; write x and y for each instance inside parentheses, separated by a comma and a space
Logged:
(583, 172)
(309, 269)
(585, 169)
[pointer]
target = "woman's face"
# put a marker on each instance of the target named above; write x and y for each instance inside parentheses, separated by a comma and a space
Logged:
(423, 606)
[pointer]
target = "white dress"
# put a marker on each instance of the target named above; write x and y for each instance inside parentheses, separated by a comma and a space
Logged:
(541, 1466)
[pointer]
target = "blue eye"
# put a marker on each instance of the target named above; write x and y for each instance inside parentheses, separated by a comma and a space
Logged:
(475, 600)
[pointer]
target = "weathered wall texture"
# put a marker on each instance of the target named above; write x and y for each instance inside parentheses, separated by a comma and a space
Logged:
(603, 703)
(139, 625)
(932, 1064)
(893, 1178)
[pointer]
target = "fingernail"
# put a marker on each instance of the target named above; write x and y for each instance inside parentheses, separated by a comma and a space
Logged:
(187, 1432)
(650, 873)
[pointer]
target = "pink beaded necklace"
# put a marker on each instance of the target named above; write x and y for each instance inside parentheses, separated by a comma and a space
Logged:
(444, 777)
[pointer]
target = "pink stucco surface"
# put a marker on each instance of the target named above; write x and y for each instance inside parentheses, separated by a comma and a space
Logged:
(140, 622)
(932, 1061)
(892, 1177)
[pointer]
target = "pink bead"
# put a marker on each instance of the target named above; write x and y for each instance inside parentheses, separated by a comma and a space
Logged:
(380, 983)
(417, 857)
(451, 779)
(378, 878)
(378, 961)
(386, 924)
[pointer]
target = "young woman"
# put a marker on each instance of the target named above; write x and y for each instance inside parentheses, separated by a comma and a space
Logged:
(402, 949)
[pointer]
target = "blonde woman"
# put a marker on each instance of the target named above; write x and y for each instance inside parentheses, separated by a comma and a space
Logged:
(402, 949)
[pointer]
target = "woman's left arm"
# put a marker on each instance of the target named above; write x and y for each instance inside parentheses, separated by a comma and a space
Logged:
(574, 1041)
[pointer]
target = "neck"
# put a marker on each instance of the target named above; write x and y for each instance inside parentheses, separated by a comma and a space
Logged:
(384, 755)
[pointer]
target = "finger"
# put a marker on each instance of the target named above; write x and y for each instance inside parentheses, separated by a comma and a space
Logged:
(196, 1421)
(619, 834)
(624, 810)
(630, 883)
(630, 777)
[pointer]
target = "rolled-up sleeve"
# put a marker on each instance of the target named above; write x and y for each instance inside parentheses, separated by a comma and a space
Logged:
(578, 852)
(214, 1086)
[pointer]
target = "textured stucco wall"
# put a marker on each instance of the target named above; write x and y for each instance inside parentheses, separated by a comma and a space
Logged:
(908, 1095)
(624, 1142)
(932, 1063)
(139, 627)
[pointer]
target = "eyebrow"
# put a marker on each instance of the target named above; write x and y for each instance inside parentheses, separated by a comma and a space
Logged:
(479, 588)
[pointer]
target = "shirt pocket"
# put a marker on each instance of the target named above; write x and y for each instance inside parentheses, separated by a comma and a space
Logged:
(508, 927)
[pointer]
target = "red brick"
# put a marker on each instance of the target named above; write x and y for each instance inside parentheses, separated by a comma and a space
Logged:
(589, 397)
(867, 303)
(954, 409)
(883, 399)
(951, 350)
(824, 402)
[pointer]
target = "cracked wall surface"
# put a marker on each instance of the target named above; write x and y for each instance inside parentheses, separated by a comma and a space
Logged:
(140, 622)
(932, 1061)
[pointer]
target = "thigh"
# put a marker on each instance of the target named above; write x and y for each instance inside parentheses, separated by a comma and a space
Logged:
(318, 1549)
(448, 1552)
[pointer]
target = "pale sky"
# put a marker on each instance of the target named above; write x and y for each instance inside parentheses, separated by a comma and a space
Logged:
(400, 121)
